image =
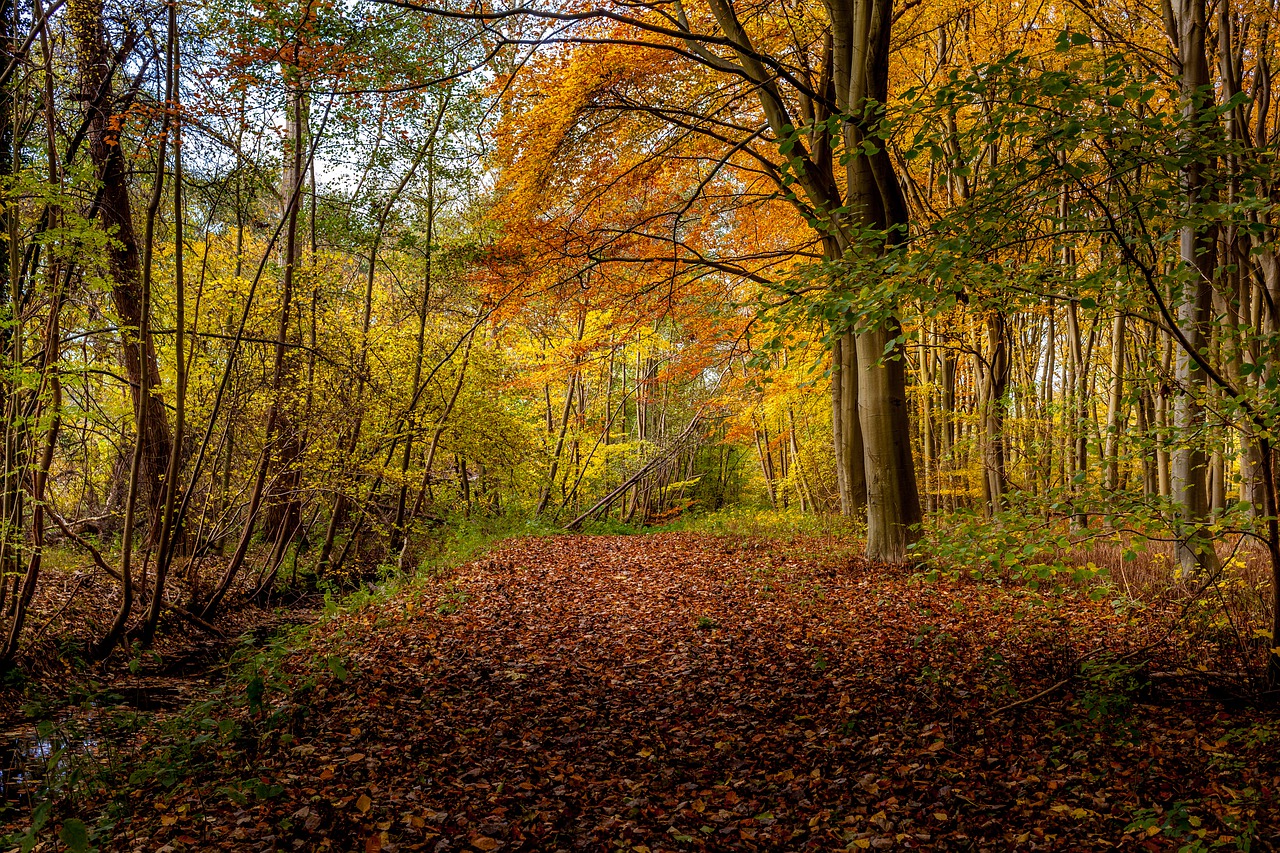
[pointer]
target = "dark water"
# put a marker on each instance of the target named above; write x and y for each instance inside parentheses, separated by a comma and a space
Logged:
(33, 757)
(37, 755)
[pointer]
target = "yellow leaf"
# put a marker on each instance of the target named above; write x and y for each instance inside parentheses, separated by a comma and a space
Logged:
(939, 815)
(484, 842)
(364, 803)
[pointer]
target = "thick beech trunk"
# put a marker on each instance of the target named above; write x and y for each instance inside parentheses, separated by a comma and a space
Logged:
(865, 199)
(893, 504)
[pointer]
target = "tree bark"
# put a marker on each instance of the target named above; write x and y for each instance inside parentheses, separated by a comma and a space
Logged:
(1115, 401)
(271, 431)
(95, 67)
(844, 211)
(995, 477)
(846, 427)
(1193, 301)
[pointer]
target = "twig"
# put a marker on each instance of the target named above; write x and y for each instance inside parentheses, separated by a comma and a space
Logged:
(1063, 683)
(38, 634)
(106, 567)
(1124, 657)
(193, 619)
(82, 542)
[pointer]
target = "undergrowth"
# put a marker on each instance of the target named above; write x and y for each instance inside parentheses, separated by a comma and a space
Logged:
(259, 705)
(766, 523)
(82, 760)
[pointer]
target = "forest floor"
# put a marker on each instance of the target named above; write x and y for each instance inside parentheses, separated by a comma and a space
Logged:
(680, 691)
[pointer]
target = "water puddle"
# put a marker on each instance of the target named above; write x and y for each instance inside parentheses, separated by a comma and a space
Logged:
(54, 753)
(37, 756)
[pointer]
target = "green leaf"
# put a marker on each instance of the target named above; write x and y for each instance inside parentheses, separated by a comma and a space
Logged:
(40, 816)
(233, 794)
(337, 669)
(75, 835)
(254, 692)
(266, 792)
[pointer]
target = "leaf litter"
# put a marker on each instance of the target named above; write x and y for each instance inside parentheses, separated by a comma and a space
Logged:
(689, 692)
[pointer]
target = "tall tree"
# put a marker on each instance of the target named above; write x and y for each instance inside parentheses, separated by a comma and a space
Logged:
(1193, 296)
(97, 63)
(814, 132)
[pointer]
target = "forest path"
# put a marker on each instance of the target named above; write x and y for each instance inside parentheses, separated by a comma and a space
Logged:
(676, 692)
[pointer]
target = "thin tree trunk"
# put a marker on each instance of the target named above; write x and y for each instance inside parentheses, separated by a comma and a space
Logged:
(846, 429)
(1077, 414)
(545, 498)
(141, 454)
(431, 451)
(993, 416)
(420, 350)
(1115, 400)
(165, 553)
(1193, 299)
(278, 367)
(50, 394)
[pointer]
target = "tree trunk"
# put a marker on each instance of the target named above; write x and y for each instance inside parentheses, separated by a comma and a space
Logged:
(95, 67)
(164, 553)
(868, 199)
(1076, 415)
(846, 428)
(1193, 300)
(283, 501)
(893, 505)
(271, 431)
(431, 452)
(1114, 402)
(995, 477)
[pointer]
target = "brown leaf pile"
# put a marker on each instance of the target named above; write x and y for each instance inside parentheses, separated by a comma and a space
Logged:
(683, 692)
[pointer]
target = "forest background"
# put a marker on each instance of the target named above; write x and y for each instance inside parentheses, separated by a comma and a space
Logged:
(293, 290)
